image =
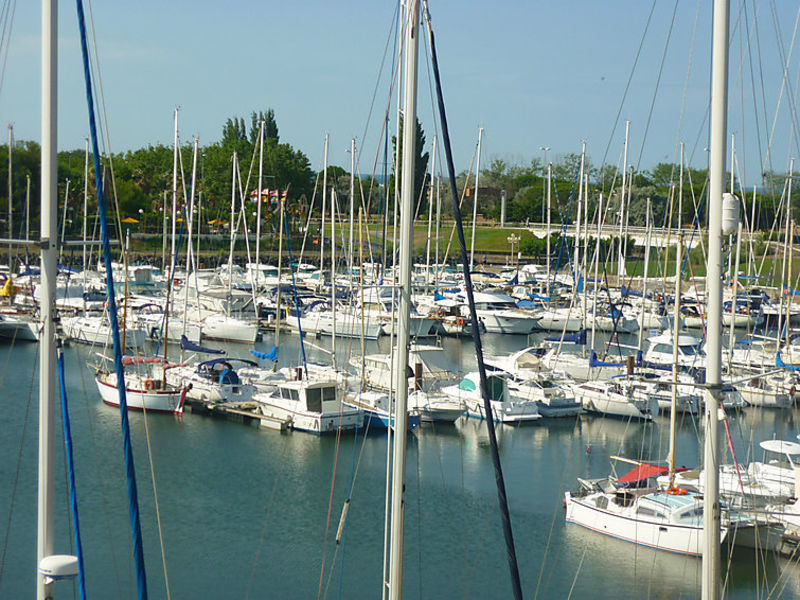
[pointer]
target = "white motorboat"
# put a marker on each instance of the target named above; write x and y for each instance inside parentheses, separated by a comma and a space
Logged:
(611, 399)
(376, 410)
(499, 314)
(760, 391)
(435, 407)
(504, 407)
(313, 406)
(428, 365)
(95, 330)
(552, 400)
(229, 329)
(18, 327)
(213, 380)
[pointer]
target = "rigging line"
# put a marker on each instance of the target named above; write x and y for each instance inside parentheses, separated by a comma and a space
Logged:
(73, 498)
(686, 86)
(136, 531)
(6, 42)
(155, 500)
(516, 584)
(280, 475)
(627, 86)
(752, 88)
(392, 29)
(330, 511)
(786, 60)
(658, 83)
(15, 484)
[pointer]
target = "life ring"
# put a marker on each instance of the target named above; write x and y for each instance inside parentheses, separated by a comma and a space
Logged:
(460, 321)
(676, 491)
(149, 385)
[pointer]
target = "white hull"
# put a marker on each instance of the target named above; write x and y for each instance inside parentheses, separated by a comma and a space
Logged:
(88, 330)
(500, 323)
(138, 397)
(347, 419)
(227, 329)
(661, 535)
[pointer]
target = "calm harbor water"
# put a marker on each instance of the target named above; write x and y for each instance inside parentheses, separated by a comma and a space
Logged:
(244, 511)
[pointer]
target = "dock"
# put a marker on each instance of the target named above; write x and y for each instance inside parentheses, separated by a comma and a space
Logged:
(244, 412)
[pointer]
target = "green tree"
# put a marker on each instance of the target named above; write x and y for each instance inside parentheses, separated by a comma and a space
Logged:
(420, 167)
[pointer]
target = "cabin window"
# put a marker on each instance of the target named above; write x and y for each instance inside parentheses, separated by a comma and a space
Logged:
(314, 399)
(665, 348)
(290, 394)
(495, 389)
(329, 394)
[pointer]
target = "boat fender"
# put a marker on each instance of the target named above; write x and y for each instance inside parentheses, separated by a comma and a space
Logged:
(149, 385)
(460, 321)
(676, 491)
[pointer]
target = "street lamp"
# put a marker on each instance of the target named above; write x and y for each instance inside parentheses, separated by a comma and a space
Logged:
(514, 240)
(143, 218)
(544, 166)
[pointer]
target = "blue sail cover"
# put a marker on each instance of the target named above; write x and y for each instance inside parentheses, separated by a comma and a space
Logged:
(779, 363)
(573, 338)
(271, 355)
(595, 362)
(192, 347)
(437, 296)
(624, 291)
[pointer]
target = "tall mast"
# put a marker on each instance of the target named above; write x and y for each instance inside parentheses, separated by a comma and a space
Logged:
(430, 218)
(47, 356)
(547, 230)
(232, 227)
(475, 201)
(281, 201)
(622, 198)
(174, 203)
(10, 194)
(673, 413)
(596, 273)
(719, 113)
(258, 201)
(333, 277)
(85, 206)
(648, 234)
(352, 207)
(322, 223)
(680, 192)
(406, 241)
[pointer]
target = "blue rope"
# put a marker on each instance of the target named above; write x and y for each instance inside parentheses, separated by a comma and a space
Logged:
(73, 498)
(133, 502)
(294, 290)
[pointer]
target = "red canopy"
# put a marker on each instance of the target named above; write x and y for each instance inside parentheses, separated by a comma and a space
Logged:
(645, 471)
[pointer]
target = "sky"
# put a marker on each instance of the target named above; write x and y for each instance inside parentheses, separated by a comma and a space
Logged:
(533, 74)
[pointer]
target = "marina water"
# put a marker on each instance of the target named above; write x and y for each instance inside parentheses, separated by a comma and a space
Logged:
(252, 513)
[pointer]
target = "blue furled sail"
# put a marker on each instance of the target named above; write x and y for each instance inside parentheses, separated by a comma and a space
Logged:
(596, 362)
(271, 355)
(779, 363)
(578, 337)
(192, 347)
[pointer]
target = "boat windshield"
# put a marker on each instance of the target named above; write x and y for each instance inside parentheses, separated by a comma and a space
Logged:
(690, 350)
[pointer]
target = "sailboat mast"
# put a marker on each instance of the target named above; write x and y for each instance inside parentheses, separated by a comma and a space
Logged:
(352, 207)
(322, 212)
(258, 201)
(430, 218)
(406, 241)
(333, 277)
(47, 355)
(622, 198)
(673, 413)
(281, 208)
(547, 231)
(85, 207)
(648, 226)
(174, 201)
(10, 194)
(232, 227)
(719, 112)
(475, 201)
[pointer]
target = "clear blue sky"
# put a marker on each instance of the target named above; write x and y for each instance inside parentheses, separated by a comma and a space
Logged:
(532, 73)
